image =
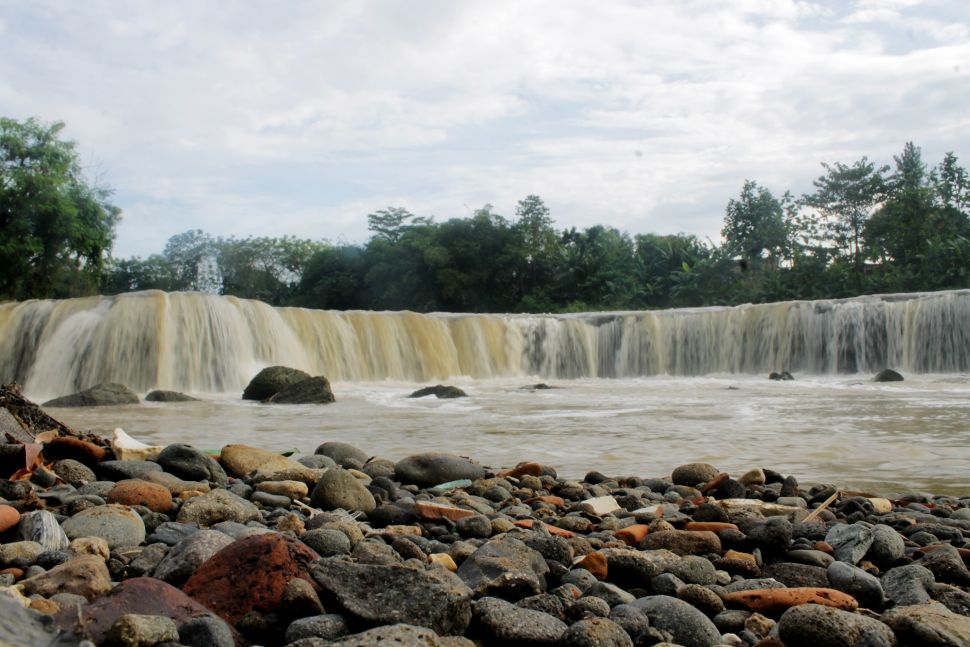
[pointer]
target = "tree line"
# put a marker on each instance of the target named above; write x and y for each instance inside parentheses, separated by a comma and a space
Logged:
(863, 229)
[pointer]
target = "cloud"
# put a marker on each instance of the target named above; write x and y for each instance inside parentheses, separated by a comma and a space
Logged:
(241, 118)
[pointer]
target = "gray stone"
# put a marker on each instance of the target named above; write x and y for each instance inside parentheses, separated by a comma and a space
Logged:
(685, 624)
(398, 635)
(887, 375)
(813, 625)
(312, 390)
(22, 626)
(343, 454)
(692, 474)
(206, 631)
(887, 545)
(327, 542)
(478, 526)
(694, 569)
(171, 532)
(117, 525)
(906, 585)
(509, 623)
(946, 564)
(862, 585)
(928, 624)
(433, 598)
(74, 472)
(127, 469)
(850, 541)
(136, 630)
(595, 632)
(217, 506)
(506, 568)
(440, 391)
(42, 526)
(810, 556)
(99, 395)
(629, 568)
(632, 619)
(338, 488)
(191, 464)
(161, 395)
(611, 594)
(432, 468)
(952, 597)
(271, 380)
(189, 554)
(666, 584)
(146, 560)
(328, 626)
(239, 531)
(702, 598)
(588, 606)
(792, 574)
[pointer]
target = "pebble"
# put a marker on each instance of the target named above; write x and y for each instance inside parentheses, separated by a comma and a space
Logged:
(452, 547)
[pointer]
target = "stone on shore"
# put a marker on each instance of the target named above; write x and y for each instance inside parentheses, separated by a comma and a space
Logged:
(344, 454)
(685, 624)
(928, 624)
(692, 474)
(338, 488)
(42, 526)
(250, 574)
(432, 468)
(217, 506)
(188, 463)
(137, 492)
(812, 625)
(136, 630)
(508, 623)
(504, 568)
(388, 594)
(242, 460)
(188, 555)
(99, 395)
(117, 525)
(85, 575)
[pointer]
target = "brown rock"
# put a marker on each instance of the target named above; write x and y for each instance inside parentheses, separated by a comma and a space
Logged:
(430, 511)
(240, 460)
(551, 499)
(523, 469)
(683, 542)
(595, 563)
(155, 497)
(250, 575)
(9, 517)
(71, 447)
(85, 575)
(767, 600)
(712, 526)
(553, 530)
(141, 595)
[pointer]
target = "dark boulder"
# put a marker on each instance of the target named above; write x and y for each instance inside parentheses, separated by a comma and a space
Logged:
(440, 391)
(780, 377)
(168, 396)
(99, 395)
(271, 380)
(312, 390)
(887, 375)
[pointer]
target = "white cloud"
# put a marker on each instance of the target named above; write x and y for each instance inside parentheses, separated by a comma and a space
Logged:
(244, 118)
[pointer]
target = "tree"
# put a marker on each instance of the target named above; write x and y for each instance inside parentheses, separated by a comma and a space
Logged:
(754, 225)
(846, 197)
(56, 229)
(194, 260)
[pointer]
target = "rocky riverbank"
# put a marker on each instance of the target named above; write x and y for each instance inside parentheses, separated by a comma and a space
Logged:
(128, 545)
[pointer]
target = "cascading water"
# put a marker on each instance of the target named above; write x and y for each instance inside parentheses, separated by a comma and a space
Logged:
(203, 343)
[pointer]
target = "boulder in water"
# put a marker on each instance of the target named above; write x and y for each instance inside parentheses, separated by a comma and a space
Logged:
(168, 396)
(271, 380)
(887, 375)
(312, 390)
(440, 391)
(784, 376)
(99, 395)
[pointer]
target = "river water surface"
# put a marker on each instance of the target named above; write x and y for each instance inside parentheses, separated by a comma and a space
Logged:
(845, 430)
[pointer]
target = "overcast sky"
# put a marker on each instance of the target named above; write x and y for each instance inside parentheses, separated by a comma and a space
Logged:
(268, 118)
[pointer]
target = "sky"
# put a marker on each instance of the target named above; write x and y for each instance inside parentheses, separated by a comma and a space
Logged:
(259, 118)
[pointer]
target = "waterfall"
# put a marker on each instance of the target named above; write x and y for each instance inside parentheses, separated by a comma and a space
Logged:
(205, 343)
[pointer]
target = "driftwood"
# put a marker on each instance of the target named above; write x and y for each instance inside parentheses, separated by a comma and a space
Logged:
(23, 420)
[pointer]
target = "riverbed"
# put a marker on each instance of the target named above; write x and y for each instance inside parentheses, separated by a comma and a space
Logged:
(846, 430)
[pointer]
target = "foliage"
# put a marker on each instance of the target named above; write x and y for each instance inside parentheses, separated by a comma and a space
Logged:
(56, 229)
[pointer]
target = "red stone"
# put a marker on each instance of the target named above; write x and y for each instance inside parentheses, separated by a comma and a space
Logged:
(633, 535)
(9, 517)
(250, 574)
(553, 530)
(595, 563)
(768, 600)
(153, 496)
(712, 526)
(715, 482)
(142, 595)
(551, 499)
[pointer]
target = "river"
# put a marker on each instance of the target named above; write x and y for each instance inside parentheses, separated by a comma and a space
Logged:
(845, 429)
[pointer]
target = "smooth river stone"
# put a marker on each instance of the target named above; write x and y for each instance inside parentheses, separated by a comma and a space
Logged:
(687, 625)
(189, 554)
(240, 460)
(432, 468)
(338, 488)
(812, 625)
(217, 506)
(41, 526)
(117, 525)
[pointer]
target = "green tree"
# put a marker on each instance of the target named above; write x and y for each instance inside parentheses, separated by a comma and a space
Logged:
(754, 226)
(56, 229)
(194, 259)
(845, 197)
(264, 268)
